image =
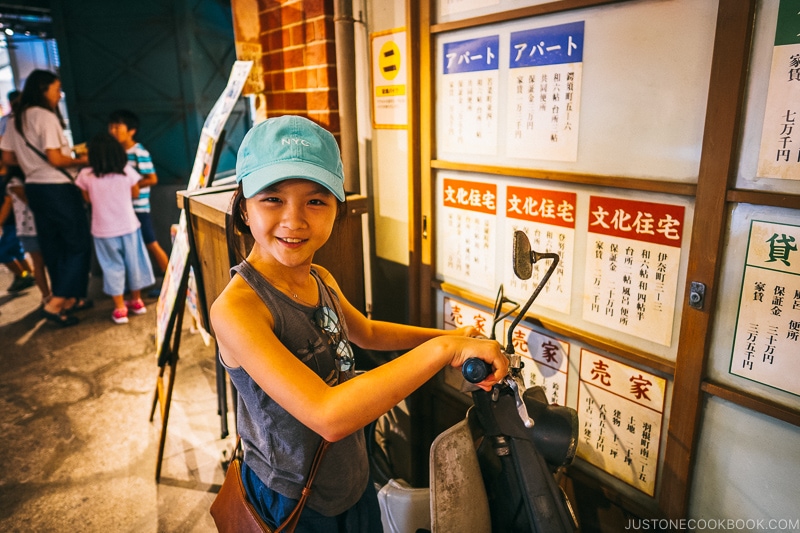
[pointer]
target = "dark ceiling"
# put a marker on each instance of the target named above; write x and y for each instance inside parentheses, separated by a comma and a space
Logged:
(31, 19)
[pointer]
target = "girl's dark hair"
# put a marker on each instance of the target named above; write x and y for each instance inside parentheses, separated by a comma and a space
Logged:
(106, 155)
(36, 85)
(238, 234)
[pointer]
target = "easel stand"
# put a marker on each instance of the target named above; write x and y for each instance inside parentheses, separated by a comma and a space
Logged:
(169, 358)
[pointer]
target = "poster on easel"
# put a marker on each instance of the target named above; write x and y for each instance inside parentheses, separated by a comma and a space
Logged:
(199, 178)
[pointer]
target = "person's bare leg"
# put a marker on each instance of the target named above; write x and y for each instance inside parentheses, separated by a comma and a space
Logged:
(119, 301)
(56, 304)
(160, 256)
(15, 268)
(40, 275)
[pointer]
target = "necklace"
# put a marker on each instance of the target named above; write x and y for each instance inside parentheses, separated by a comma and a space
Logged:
(285, 289)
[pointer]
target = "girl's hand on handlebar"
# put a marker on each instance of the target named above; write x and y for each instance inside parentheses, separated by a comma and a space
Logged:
(468, 331)
(487, 350)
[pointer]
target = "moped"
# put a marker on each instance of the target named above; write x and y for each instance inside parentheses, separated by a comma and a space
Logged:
(496, 470)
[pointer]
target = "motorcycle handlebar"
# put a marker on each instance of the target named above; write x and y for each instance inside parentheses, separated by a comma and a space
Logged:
(475, 370)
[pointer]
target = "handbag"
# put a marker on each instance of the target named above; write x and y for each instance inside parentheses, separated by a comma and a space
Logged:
(233, 512)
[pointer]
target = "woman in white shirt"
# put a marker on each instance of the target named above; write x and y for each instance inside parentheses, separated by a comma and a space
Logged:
(36, 142)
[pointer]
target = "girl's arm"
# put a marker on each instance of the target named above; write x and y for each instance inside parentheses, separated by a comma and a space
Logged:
(9, 158)
(86, 196)
(57, 159)
(19, 192)
(135, 191)
(378, 335)
(243, 327)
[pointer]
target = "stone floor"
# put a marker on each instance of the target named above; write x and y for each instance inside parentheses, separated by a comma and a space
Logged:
(78, 451)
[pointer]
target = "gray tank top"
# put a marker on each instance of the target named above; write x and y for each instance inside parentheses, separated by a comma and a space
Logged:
(277, 446)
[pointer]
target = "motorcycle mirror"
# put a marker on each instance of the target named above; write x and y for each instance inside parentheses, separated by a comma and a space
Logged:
(522, 255)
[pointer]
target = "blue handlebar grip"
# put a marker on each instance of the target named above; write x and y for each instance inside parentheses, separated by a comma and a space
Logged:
(475, 370)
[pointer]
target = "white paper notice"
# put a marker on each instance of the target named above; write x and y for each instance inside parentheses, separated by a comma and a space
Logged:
(545, 67)
(633, 253)
(548, 219)
(779, 156)
(467, 231)
(766, 345)
(468, 100)
(450, 7)
(389, 92)
(620, 409)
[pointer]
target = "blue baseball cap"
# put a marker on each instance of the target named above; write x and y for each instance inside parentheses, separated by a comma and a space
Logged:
(289, 147)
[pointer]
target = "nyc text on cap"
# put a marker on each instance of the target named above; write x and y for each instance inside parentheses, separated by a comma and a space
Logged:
(288, 147)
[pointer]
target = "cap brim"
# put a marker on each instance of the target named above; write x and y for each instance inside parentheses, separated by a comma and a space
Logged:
(263, 177)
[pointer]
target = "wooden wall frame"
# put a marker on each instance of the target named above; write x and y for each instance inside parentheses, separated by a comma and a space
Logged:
(713, 195)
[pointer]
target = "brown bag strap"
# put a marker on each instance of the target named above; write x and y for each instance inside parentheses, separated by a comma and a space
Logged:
(291, 521)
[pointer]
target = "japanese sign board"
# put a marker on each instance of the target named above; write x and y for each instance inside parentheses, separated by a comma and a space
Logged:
(467, 226)
(545, 66)
(469, 96)
(458, 315)
(548, 219)
(620, 409)
(779, 156)
(545, 358)
(389, 94)
(632, 258)
(546, 361)
(766, 345)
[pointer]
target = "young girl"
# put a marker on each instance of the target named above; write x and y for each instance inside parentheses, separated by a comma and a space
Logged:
(26, 233)
(282, 326)
(109, 184)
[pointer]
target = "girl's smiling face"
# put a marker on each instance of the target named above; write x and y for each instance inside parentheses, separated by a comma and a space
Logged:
(291, 220)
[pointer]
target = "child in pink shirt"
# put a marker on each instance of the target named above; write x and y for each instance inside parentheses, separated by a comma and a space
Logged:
(109, 184)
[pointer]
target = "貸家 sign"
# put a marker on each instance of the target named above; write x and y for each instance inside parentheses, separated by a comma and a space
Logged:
(766, 345)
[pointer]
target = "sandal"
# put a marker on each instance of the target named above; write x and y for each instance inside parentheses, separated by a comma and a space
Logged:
(79, 305)
(61, 319)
